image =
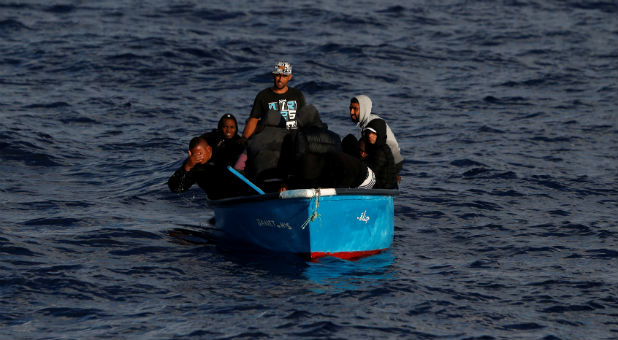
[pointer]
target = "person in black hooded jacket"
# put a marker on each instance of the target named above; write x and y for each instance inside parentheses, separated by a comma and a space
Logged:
(379, 156)
(313, 135)
(260, 161)
(333, 169)
(201, 169)
(313, 157)
(311, 138)
(225, 141)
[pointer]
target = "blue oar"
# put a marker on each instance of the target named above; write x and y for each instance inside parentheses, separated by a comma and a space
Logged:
(244, 179)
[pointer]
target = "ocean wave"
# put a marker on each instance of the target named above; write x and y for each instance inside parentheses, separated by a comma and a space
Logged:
(28, 154)
(11, 26)
(505, 113)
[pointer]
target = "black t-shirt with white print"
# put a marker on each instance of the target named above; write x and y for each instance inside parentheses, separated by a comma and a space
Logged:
(285, 104)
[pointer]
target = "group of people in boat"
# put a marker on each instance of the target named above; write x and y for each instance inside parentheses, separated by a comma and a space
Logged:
(286, 145)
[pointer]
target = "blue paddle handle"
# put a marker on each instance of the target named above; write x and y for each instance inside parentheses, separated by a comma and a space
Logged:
(244, 179)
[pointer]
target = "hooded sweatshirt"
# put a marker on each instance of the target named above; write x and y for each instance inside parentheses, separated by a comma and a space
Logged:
(334, 169)
(225, 151)
(365, 116)
(380, 158)
(264, 148)
(311, 137)
(313, 134)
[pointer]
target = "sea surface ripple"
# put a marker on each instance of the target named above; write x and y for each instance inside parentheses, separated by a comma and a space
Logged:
(506, 113)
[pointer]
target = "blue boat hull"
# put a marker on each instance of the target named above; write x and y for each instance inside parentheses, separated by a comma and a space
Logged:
(346, 223)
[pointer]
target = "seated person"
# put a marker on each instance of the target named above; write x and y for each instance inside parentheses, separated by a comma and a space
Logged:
(362, 149)
(333, 169)
(361, 113)
(354, 147)
(199, 168)
(379, 156)
(349, 145)
(311, 137)
(261, 158)
(225, 141)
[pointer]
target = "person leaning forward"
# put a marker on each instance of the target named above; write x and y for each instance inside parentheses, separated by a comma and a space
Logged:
(200, 168)
(280, 98)
(195, 169)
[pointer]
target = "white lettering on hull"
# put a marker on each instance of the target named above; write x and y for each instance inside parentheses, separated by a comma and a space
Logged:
(363, 217)
(272, 224)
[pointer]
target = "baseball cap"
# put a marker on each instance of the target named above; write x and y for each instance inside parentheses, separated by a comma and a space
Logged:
(283, 67)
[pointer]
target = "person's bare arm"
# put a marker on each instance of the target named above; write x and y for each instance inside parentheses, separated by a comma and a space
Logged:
(250, 128)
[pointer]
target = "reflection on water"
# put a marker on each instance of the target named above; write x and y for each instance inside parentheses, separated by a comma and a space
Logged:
(327, 274)
(192, 236)
(330, 274)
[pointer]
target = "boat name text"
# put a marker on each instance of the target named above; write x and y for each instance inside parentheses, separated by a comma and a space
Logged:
(272, 224)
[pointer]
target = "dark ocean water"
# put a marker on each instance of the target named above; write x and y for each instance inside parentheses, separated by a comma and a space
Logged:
(506, 112)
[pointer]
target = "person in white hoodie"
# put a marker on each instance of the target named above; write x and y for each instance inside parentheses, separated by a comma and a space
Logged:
(360, 112)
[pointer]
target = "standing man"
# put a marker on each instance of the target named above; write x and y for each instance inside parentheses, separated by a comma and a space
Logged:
(360, 113)
(280, 98)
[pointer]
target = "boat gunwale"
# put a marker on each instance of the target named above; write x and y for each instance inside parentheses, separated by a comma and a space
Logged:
(277, 195)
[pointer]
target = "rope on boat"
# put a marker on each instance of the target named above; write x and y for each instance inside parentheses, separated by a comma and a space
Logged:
(314, 215)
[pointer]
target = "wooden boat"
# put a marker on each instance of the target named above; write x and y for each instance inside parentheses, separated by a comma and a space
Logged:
(345, 223)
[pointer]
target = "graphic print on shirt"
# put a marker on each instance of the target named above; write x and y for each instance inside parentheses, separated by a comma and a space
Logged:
(287, 109)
